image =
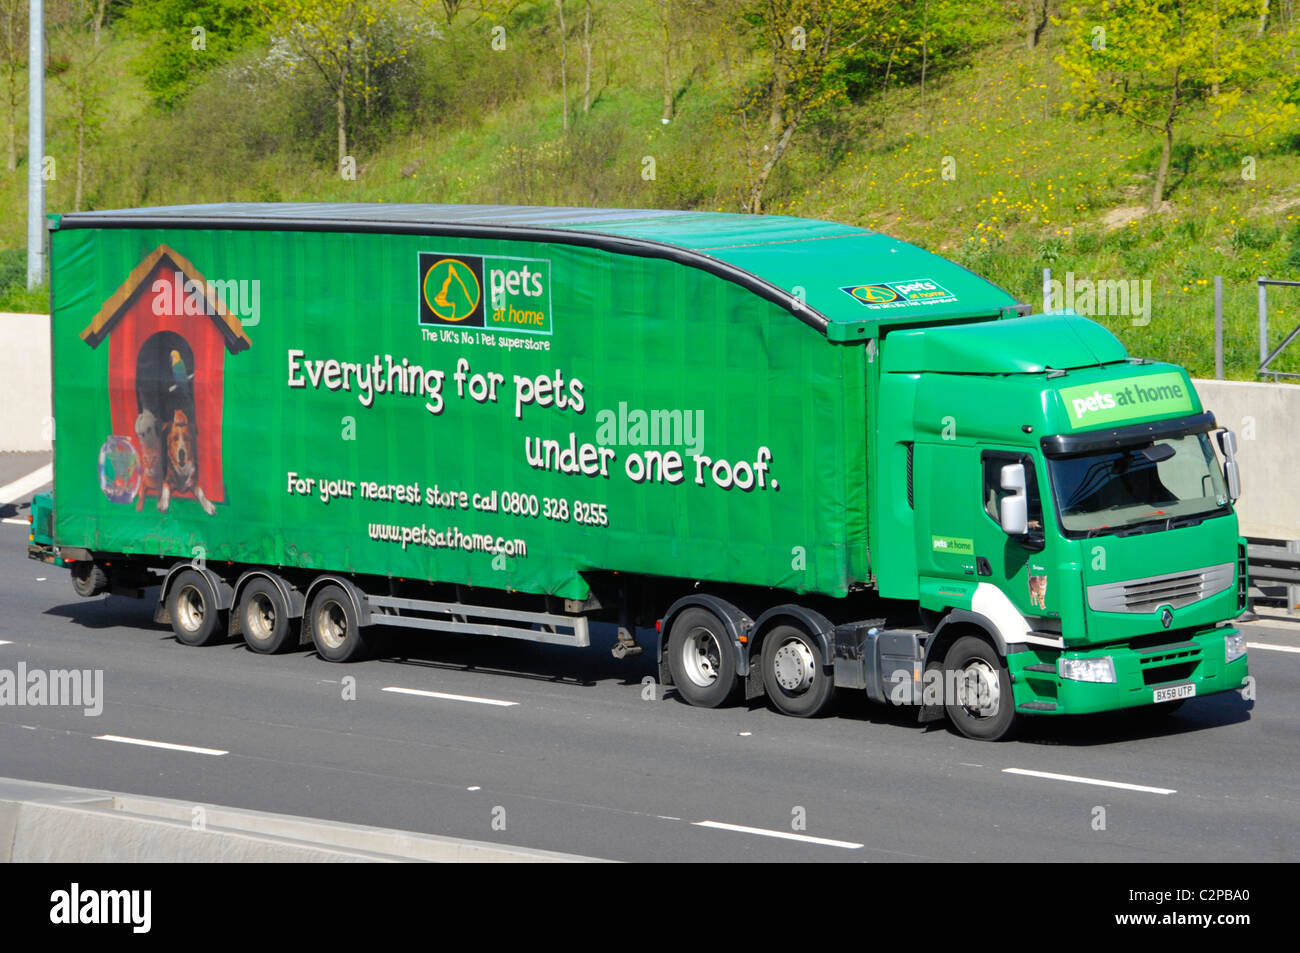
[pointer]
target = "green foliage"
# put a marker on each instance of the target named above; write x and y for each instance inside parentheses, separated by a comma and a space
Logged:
(1293, 259)
(184, 39)
(951, 29)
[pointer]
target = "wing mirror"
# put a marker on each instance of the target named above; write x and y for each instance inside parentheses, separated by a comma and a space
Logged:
(1231, 469)
(1014, 509)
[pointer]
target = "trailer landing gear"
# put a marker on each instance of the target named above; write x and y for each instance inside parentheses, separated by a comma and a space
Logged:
(626, 646)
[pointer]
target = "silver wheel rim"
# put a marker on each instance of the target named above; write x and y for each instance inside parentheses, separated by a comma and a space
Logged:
(260, 617)
(190, 608)
(332, 624)
(701, 656)
(978, 689)
(794, 666)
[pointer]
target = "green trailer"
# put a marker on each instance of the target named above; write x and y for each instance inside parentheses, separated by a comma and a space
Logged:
(810, 455)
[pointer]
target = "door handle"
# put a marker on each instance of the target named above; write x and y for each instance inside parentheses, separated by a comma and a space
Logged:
(982, 566)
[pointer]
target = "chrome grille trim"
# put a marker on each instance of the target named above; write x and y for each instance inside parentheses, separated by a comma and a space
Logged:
(1174, 589)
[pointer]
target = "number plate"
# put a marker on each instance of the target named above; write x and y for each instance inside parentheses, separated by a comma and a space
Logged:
(1175, 692)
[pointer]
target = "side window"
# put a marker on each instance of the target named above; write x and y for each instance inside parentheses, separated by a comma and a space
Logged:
(994, 494)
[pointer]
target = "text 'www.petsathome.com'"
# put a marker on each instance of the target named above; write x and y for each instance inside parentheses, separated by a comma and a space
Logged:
(450, 538)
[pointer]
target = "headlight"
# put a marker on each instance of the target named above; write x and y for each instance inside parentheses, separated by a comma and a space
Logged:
(1234, 646)
(1087, 669)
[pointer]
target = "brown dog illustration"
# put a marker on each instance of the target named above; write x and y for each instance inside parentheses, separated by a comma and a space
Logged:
(182, 463)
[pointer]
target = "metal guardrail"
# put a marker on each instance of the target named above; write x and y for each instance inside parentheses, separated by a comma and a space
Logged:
(1265, 355)
(1278, 562)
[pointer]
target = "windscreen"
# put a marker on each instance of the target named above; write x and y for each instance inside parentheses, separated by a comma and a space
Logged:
(1154, 486)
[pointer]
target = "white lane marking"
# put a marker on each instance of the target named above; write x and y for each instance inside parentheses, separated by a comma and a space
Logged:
(194, 749)
(3, 642)
(454, 698)
(24, 485)
(1273, 648)
(16, 521)
(1098, 781)
(783, 835)
(474, 787)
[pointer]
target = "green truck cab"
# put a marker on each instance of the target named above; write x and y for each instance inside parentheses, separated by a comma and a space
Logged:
(1065, 499)
(809, 456)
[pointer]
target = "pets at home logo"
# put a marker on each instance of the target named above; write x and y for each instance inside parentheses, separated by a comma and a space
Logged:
(486, 291)
(451, 290)
(899, 294)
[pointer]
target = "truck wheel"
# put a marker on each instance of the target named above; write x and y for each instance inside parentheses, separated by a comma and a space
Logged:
(264, 618)
(89, 579)
(982, 706)
(701, 659)
(192, 606)
(334, 628)
(794, 674)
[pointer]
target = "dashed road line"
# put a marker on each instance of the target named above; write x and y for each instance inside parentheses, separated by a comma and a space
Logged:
(501, 703)
(783, 835)
(11, 492)
(167, 745)
(1123, 785)
(1273, 648)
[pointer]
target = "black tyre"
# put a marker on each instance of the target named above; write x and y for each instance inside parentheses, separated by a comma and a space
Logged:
(334, 628)
(192, 606)
(263, 614)
(89, 579)
(977, 690)
(701, 659)
(794, 673)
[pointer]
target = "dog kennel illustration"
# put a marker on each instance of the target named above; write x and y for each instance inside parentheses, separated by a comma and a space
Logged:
(168, 334)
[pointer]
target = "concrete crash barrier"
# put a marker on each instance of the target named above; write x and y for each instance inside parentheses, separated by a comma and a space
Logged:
(25, 407)
(1264, 418)
(50, 823)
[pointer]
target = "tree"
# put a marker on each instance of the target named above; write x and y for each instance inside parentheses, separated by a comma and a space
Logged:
(805, 45)
(13, 54)
(78, 37)
(346, 42)
(185, 38)
(664, 24)
(564, 65)
(1150, 60)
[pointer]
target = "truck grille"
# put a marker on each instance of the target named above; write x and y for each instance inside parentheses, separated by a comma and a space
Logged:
(1174, 589)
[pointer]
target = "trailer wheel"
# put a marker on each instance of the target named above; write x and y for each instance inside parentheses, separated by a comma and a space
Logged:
(264, 618)
(89, 579)
(794, 673)
(701, 659)
(192, 605)
(982, 705)
(335, 631)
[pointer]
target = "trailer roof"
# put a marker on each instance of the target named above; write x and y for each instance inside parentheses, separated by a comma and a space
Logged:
(845, 281)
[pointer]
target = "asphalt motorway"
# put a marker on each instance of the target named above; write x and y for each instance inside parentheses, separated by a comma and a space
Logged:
(570, 750)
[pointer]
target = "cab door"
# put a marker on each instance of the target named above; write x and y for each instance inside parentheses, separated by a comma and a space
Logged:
(959, 527)
(1018, 565)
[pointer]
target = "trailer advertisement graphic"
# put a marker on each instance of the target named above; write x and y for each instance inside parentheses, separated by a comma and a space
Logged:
(340, 437)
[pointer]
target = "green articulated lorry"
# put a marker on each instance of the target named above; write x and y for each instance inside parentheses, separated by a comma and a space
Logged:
(812, 457)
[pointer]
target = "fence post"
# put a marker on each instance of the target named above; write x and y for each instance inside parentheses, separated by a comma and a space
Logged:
(1047, 291)
(1292, 590)
(1263, 320)
(1218, 327)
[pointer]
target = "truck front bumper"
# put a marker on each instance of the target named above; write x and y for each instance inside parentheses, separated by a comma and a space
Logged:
(1197, 660)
